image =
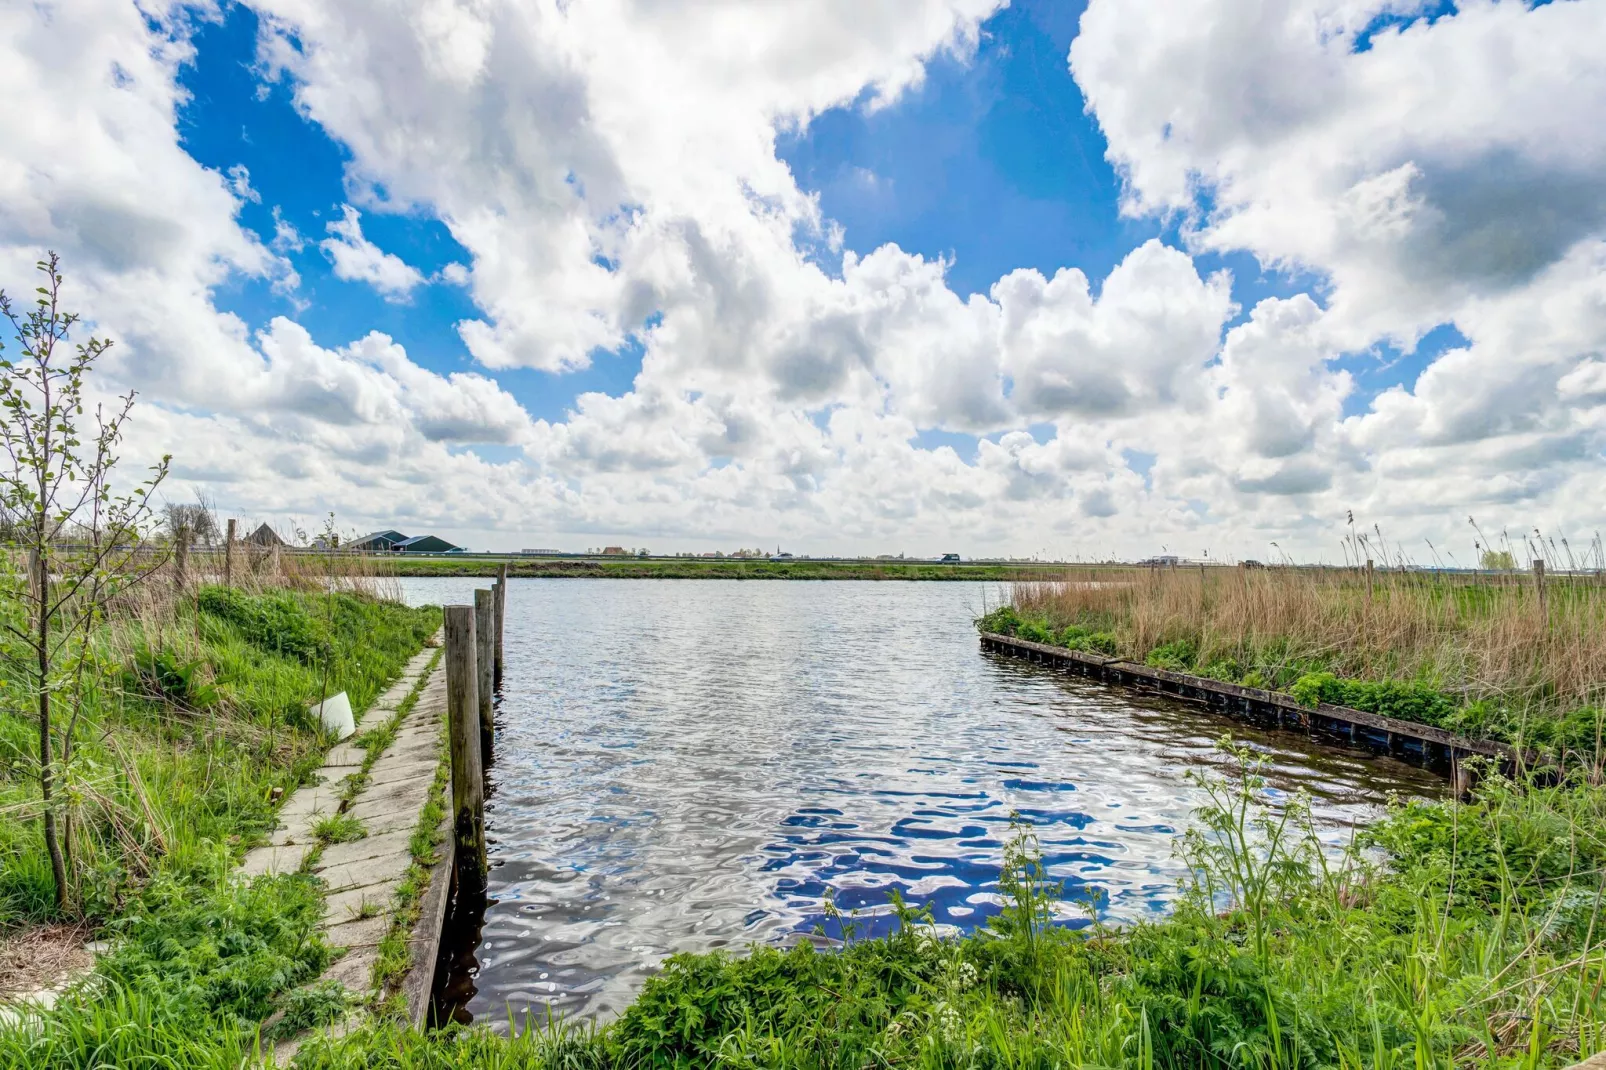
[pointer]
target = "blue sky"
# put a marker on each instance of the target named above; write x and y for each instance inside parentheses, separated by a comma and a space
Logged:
(993, 164)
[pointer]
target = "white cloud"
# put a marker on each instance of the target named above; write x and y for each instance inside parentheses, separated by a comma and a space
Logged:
(610, 167)
(1448, 161)
(356, 259)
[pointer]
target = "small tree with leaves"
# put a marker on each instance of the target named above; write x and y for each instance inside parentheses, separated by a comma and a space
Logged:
(77, 536)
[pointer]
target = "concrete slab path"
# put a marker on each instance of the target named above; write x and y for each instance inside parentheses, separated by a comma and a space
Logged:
(362, 876)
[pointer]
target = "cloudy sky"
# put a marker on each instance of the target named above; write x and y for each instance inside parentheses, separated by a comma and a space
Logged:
(843, 275)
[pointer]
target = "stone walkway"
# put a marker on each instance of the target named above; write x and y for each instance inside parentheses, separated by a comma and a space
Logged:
(362, 876)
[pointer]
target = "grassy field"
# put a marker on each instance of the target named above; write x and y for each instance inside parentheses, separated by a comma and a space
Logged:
(1482, 655)
(694, 568)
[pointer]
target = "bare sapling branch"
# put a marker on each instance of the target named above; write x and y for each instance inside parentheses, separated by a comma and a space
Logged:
(77, 532)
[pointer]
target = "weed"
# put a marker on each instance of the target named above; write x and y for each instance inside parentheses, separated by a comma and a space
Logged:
(311, 1006)
(339, 828)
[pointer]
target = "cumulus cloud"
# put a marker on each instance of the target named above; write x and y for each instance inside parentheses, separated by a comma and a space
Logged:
(1447, 160)
(611, 170)
(356, 259)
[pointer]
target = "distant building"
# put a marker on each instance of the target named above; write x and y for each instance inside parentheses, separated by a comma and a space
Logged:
(542, 553)
(264, 536)
(377, 542)
(1162, 561)
(950, 559)
(426, 544)
(615, 551)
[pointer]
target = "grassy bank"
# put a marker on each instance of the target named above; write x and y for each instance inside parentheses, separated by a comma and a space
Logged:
(692, 568)
(1484, 656)
(195, 725)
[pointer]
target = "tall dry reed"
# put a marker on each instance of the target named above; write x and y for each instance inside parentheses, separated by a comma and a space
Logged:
(1487, 635)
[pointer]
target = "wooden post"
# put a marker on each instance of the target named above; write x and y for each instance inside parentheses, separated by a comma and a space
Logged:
(485, 652)
(501, 618)
(228, 555)
(1461, 778)
(1368, 579)
(1539, 584)
(463, 716)
(181, 557)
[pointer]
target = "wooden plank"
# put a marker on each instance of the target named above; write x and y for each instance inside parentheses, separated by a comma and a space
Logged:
(1201, 688)
(418, 985)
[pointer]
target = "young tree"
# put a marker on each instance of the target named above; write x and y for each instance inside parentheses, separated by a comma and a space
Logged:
(77, 534)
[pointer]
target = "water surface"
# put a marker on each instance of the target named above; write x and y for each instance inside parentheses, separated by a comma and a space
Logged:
(691, 764)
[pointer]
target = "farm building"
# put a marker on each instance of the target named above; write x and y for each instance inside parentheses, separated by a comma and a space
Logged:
(264, 536)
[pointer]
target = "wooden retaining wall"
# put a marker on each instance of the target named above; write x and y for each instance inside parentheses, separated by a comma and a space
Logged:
(1434, 745)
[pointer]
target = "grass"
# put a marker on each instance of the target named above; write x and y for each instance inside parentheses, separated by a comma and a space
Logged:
(1482, 655)
(197, 962)
(691, 568)
(339, 828)
(196, 725)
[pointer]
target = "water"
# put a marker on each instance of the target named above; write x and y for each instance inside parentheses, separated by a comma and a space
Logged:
(687, 765)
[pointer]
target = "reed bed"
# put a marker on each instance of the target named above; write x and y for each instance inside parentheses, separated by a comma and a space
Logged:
(1481, 636)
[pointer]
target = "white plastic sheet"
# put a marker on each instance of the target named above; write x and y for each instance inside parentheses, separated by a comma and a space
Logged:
(334, 713)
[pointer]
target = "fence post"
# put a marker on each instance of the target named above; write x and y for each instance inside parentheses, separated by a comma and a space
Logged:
(463, 716)
(485, 647)
(181, 557)
(1539, 583)
(1368, 579)
(501, 618)
(228, 556)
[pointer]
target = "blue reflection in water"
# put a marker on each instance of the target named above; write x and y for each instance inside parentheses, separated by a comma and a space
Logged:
(690, 765)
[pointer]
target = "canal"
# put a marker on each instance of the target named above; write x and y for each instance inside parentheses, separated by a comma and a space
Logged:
(684, 765)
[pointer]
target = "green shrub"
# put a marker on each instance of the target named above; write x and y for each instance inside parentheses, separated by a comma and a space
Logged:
(1228, 669)
(223, 954)
(1001, 621)
(159, 674)
(275, 621)
(1414, 702)
(1177, 656)
(1080, 637)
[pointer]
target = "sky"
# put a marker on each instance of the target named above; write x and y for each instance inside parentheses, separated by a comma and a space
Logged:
(1087, 281)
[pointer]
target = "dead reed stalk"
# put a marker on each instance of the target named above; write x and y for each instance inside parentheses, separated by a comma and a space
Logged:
(1487, 635)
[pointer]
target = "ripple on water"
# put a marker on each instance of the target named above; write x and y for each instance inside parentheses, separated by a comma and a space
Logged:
(688, 765)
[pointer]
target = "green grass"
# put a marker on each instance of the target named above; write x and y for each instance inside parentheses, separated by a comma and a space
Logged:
(339, 828)
(691, 568)
(162, 780)
(197, 962)
(195, 724)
